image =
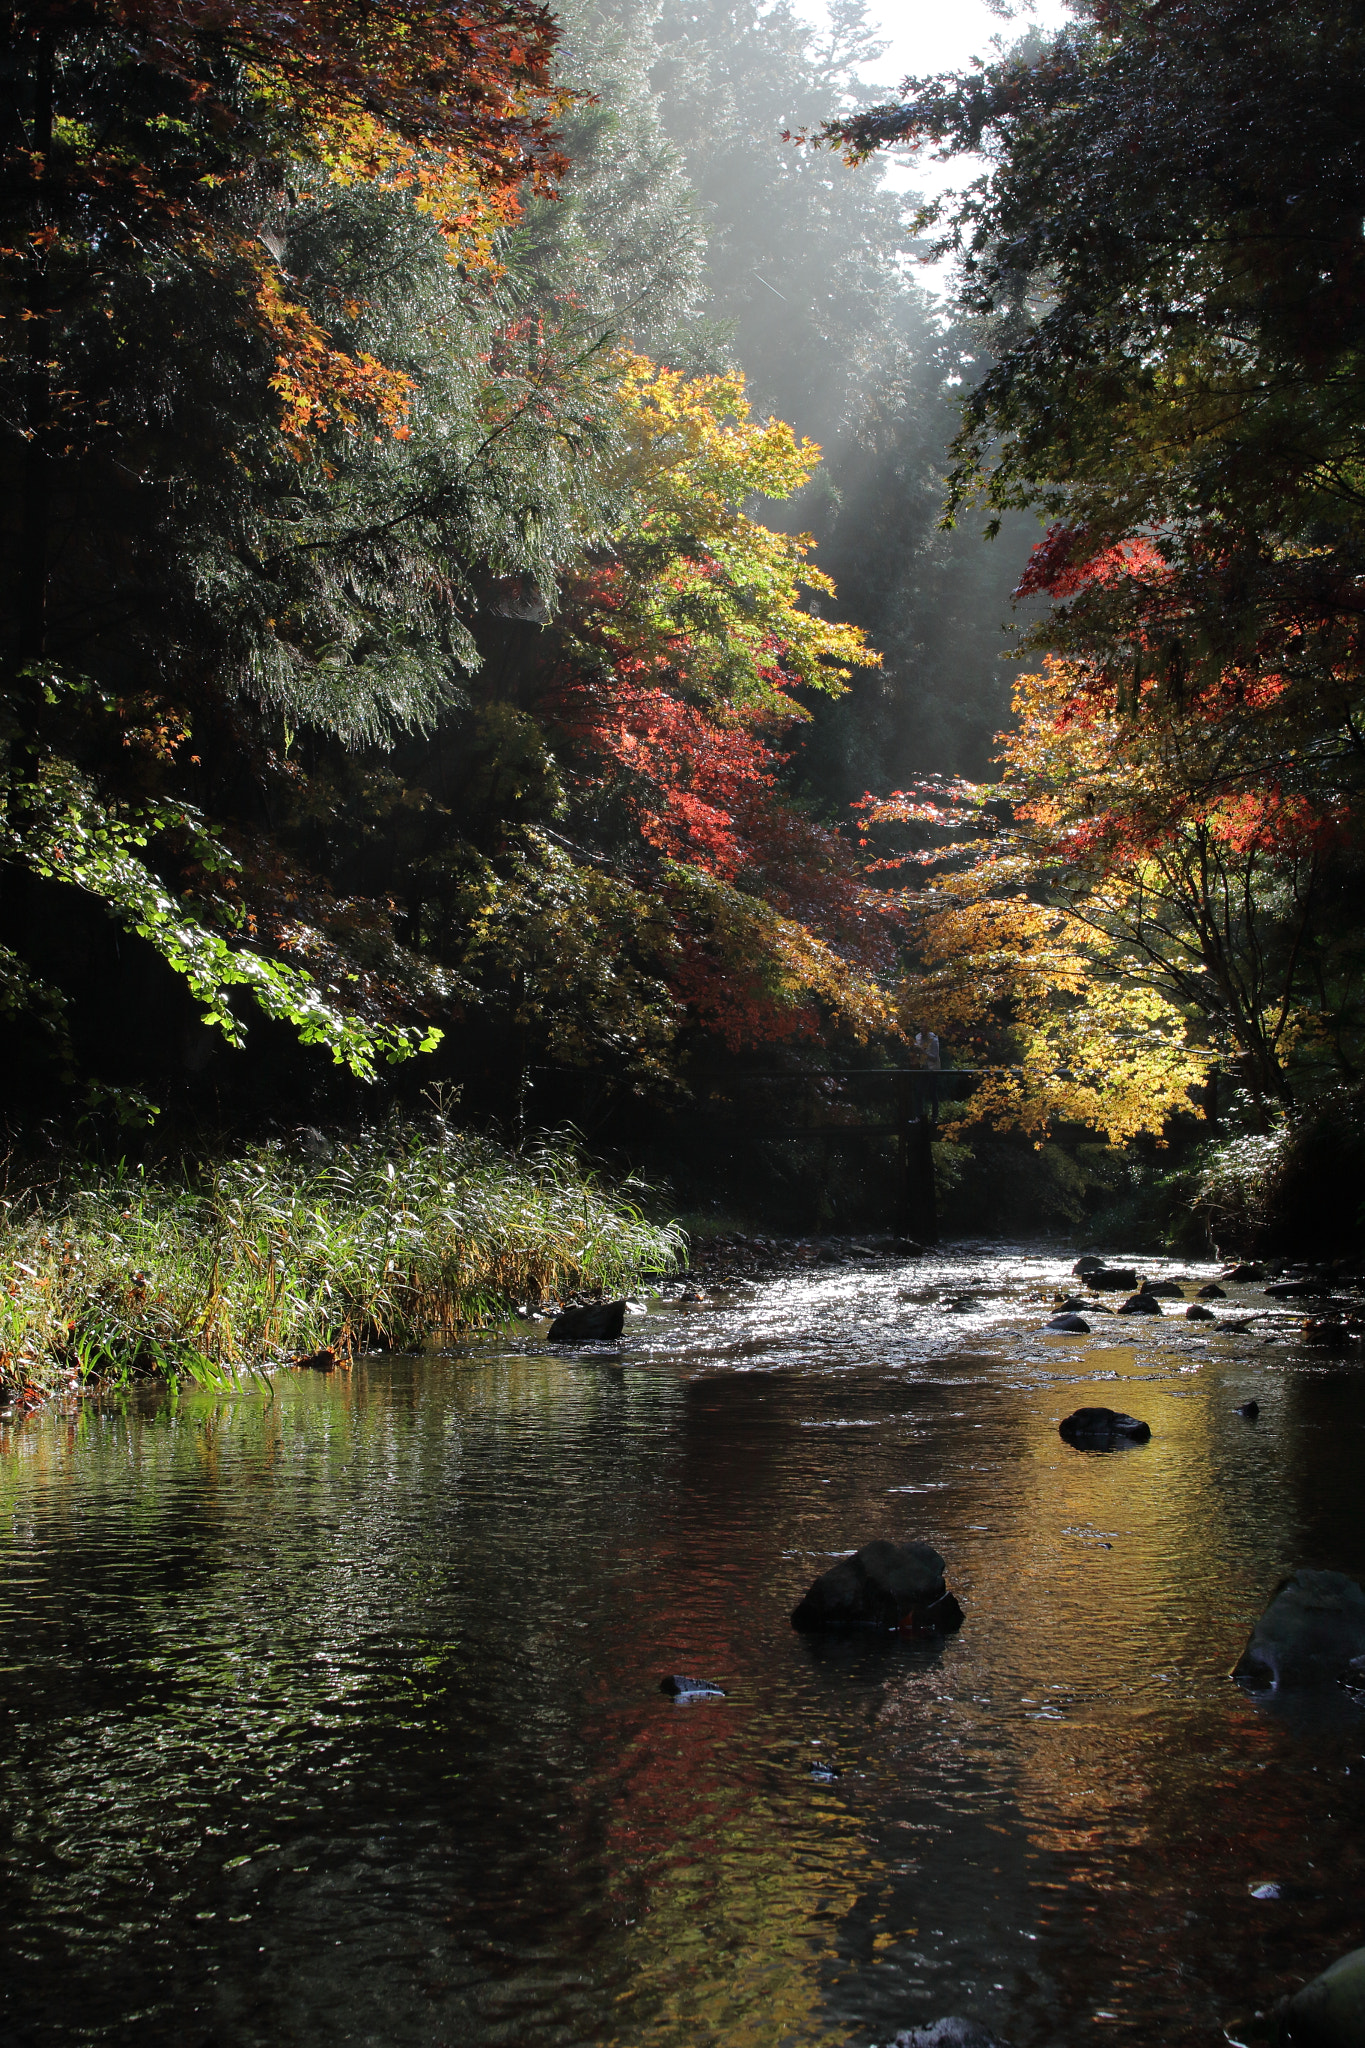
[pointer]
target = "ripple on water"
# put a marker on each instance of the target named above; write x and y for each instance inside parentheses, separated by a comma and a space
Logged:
(332, 1713)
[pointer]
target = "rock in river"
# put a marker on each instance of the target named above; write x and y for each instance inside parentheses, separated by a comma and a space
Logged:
(1163, 1290)
(1094, 1427)
(1329, 2012)
(1112, 1279)
(948, 2034)
(1139, 1305)
(1312, 1632)
(1197, 1313)
(1213, 1292)
(680, 1687)
(881, 1586)
(595, 1324)
(1067, 1319)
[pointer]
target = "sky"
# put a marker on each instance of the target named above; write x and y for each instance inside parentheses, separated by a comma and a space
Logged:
(942, 35)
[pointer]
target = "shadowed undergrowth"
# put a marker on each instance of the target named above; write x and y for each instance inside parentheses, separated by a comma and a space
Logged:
(410, 1233)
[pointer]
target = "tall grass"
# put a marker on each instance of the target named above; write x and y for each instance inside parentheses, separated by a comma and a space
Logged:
(406, 1234)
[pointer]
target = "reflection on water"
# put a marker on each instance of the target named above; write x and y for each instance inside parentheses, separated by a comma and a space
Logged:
(331, 1713)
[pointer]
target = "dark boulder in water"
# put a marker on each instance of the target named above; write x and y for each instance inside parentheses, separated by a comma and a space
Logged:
(1090, 1427)
(1139, 1305)
(318, 1361)
(1163, 1290)
(1197, 1313)
(1246, 1271)
(1329, 2012)
(597, 1323)
(1112, 1279)
(881, 1586)
(1312, 1633)
(1251, 1409)
(1067, 1319)
(1213, 1292)
(1087, 1265)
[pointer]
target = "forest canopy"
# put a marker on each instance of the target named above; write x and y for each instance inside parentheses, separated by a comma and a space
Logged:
(497, 590)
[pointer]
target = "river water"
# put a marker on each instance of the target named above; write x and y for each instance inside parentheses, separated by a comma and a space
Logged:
(331, 1710)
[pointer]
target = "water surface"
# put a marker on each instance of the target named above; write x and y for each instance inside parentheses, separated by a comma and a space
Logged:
(331, 1710)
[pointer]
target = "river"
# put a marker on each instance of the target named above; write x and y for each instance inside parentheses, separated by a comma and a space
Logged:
(331, 1709)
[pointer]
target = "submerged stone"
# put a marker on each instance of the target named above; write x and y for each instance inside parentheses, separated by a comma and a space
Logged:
(1139, 1305)
(679, 1687)
(1329, 2012)
(1092, 1426)
(879, 1587)
(598, 1323)
(1312, 1633)
(950, 2033)
(1067, 1319)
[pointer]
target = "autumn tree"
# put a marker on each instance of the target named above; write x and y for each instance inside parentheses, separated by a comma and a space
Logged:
(1166, 252)
(199, 345)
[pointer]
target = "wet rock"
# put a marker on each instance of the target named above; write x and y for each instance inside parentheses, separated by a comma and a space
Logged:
(824, 1774)
(948, 2034)
(679, 1687)
(1329, 1333)
(1299, 1290)
(1087, 1265)
(1197, 1313)
(1139, 1305)
(1089, 1427)
(1112, 1279)
(318, 1361)
(1065, 1319)
(1213, 1292)
(1246, 1271)
(597, 1323)
(1163, 1290)
(1310, 1633)
(1329, 2012)
(877, 1587)
(941, 1618)
(1251, 1409)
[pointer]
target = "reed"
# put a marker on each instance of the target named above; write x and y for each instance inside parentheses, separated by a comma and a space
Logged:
(406, 1234)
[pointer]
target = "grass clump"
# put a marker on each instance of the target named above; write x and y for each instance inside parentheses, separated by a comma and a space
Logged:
(413, 1232)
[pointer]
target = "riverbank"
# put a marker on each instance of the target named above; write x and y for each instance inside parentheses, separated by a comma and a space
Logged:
(391, 1239)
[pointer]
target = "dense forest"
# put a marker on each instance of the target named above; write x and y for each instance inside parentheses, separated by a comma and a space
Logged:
(512, 582)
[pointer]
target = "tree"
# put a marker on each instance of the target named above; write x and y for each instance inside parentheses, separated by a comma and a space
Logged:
(204, 395)
(1168, 248)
